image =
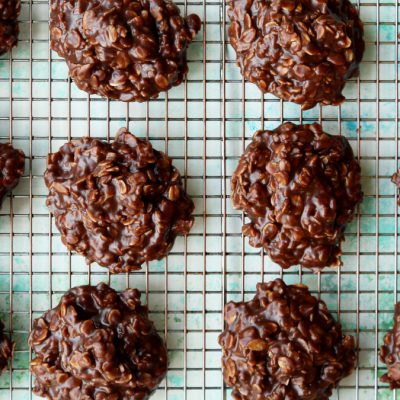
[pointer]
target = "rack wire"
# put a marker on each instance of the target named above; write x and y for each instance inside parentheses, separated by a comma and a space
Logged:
(204, 124)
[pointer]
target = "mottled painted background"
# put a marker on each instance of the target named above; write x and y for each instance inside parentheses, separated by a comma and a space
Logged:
(35, 268)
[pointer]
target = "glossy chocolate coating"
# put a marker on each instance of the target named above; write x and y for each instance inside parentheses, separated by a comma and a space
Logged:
(299, 50)
(299, 186)
(6, 349)
(97, 345)
(119, 204)
(12, 163)
(9, 29)
(390, 352)
(284, 344)
(130, 50)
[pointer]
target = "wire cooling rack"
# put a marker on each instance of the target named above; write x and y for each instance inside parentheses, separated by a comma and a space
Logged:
(204, 124)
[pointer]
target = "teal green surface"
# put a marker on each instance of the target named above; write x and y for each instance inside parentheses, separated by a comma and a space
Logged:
(53, 271)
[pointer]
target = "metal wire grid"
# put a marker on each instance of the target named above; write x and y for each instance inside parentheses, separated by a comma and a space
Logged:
(204, 125)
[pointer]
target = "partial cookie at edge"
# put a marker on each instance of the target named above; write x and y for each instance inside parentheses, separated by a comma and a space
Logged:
(9, 28)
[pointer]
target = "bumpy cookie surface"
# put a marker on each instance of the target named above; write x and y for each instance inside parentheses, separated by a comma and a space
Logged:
(97, 345)
(9, 29)
(119, 204)
(299, 186)
(390, 352)
(129, 50)
(6, 349)
(12, 164)
(299, 50)
(283, 344)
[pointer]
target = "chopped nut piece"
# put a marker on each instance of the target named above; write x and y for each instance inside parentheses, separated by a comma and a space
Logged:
(257, 345)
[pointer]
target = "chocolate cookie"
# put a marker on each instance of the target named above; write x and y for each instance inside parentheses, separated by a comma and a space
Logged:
(9, 29)
(284, 344)
(390, 352)
(97, 344)
(299, 186)
(128, 50)
(12, 163)
(299, 50)
(6, 349)
(118, 204)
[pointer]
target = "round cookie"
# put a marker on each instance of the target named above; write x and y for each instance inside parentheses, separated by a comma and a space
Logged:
(283, 344)
(9, 29)
(299, 186)
(97, 344)
(119, 204)
(127, 50)
(299, 50)
(12, 163)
